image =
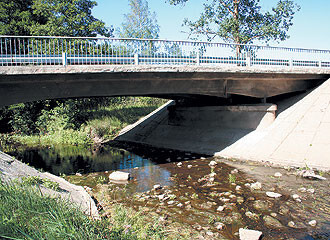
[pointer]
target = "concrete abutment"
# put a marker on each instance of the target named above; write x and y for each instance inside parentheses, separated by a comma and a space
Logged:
(297, 136)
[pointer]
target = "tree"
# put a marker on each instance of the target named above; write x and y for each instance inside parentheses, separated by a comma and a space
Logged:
(242, 21)
(140, 22)
(50, 17)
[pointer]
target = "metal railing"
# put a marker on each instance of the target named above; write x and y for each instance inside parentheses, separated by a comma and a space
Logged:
(39, 50)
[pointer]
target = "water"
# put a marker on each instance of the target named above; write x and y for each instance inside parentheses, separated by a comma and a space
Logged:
(192, 198)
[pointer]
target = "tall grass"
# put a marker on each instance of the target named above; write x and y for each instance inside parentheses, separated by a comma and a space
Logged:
(26, 214)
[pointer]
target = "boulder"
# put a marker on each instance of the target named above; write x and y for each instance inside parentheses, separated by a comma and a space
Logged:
(119, 176)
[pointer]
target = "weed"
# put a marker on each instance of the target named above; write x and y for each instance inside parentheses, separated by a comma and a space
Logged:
(231, 178)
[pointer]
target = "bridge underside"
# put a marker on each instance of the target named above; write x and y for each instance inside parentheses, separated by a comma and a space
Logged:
(24, 85)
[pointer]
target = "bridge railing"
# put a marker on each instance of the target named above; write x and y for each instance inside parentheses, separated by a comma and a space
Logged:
(39, 50)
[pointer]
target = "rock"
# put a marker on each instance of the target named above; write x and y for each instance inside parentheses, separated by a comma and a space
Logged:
(213, 163)
(189, 166)
(180, 205)
(310, 174)
(220, 208)
(256, 186)
(234, 171)
(179, 164)
(247, 184)
(278, 174)
(119, 176)
(78, 174)
(273, 195)
(295, 196)
(284, 210)
(312, 223)
(238, 188)
(272, 222)
(291, 224)
(261, 205)
(247, 234)
(252, 215)
(302, 189)
(311, 190)
(219, 225)
(240, 200)
(157, 187)
(170, 202)
(273, 214)
(212, 174)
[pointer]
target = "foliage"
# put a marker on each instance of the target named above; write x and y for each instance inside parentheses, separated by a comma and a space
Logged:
(242, 21)
(35, 180)
(140, 22)
(231, 178)
(50, 17)
(26, 214)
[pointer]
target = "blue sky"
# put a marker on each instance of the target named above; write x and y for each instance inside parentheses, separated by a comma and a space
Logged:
(311, 27)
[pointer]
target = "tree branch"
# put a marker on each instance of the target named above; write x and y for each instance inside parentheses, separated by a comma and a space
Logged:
(223, 4)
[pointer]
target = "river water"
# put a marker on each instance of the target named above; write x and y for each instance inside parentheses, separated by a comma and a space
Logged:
(192, 191)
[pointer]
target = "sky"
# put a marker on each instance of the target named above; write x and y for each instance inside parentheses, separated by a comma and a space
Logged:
(311, 27)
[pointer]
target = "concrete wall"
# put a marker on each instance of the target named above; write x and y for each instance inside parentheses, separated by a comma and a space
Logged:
(299, 136)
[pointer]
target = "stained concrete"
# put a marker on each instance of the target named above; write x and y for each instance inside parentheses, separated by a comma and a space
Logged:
(299, 136)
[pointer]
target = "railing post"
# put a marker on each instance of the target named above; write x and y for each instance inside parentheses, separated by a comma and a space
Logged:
(64, 58)
(248, 61)
(136, 59)
(198, 59)
(290, 63)
(320, 63)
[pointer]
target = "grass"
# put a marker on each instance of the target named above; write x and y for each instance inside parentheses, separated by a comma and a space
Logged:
(26, 214)
(231, 178)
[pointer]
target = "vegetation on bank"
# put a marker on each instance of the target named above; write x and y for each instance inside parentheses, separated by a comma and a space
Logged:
(27, 214)
(71, 122)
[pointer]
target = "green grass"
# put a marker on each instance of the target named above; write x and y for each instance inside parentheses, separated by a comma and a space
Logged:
(26, 214)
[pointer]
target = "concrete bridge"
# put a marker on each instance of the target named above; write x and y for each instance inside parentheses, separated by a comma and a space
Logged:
(210, 75)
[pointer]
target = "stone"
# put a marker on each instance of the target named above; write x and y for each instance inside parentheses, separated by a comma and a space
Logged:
(119, 176)
(179, 164)
(291, 224)
(252, 215)
(180, 205)
(170, 202)
(273, 194)
(272, 222)
(256, 186)
(238, 188)
(234, 171)
(284, 210)
(273, 214)
(212, 174)
(312, 223)
(78, 174)
(219, 225)
(310, 174)
(157, 187)
(311, 190)
(278, 174)
(213, 163)
(261, 205)
(240, 200)
(295, 196)
(220, 208)
(247, 234)
(189, 166)
(302, 189)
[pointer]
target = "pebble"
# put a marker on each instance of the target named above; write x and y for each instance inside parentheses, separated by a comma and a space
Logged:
(302, 189)
(234, 171)
(247, 234)
(219, 225)
(213, 163)
(189, 166)
(240, 200)
(273, 194)
(295, 196)
(311, 190)
(238, 188)
(220, 208)
(256, 186)
(179, 164)
(273, 214)
(291, 224)
(170, 202)
(78, 174)
(312, 223)
(180, 205)
(157, 187)
(278, 174)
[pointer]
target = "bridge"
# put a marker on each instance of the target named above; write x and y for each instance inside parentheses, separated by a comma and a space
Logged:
(37, 68)
(290, 130)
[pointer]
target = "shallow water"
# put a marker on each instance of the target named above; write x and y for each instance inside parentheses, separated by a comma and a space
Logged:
(189, 195)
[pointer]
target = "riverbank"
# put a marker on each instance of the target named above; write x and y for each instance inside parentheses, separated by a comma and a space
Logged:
(101, 124)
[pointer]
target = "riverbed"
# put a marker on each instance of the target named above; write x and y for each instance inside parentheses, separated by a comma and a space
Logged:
(211, 200)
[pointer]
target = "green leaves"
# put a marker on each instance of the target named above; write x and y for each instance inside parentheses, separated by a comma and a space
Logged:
(242, 21)
(140, 22)
(50, 17)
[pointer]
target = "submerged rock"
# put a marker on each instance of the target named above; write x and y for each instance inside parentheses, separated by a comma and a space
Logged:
(119, 176)
(272, 222)
(247, 234)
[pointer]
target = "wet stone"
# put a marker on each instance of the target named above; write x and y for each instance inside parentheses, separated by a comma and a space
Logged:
(261, 205)
(272, 222)
(246, 234)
